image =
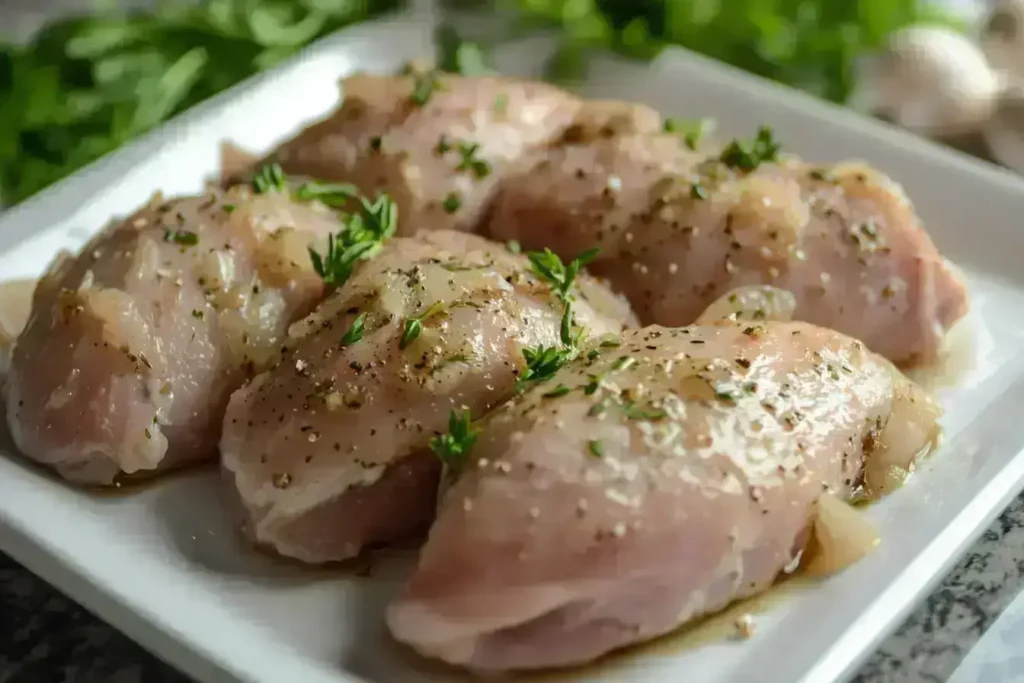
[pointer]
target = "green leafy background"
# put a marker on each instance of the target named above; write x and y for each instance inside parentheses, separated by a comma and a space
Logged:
(83, 86)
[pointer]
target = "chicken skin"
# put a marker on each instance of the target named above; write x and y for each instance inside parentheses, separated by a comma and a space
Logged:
(134, 346)
(672, 475)
(678, 227)
(327, 452)
(438, 144)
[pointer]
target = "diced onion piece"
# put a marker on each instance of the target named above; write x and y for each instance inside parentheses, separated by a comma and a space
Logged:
(840, 536)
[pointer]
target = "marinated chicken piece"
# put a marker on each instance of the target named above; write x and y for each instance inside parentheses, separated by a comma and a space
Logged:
(680, 472)
(134, 345)
(591, 184)
(437, 143)
(678, 232)
(328, 451)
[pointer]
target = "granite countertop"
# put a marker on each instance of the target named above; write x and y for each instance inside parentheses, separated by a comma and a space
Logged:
(967, 631)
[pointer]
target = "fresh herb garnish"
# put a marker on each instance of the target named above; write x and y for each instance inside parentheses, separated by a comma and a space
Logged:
(453, 447)
(747, 155)
(542, 362)
(414, 326)
(424, 86)
(361, 238)
(596, 448)
(452, 202)
(355, 331)
(269, 178)
(692, 130)
(182, 237)
(560, 390)
(697, 191)
(469, 161)
(335, 195)
(549, 268)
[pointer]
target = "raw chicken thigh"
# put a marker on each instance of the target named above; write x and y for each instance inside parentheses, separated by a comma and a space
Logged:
(671, 476)
(437, 143)
(134, 345)
(328, 451)
(679, 227)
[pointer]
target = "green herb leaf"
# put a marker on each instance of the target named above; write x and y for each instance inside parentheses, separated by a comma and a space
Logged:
(549, 268)
(747, 155)
(542, 362)
(269, 178)
(424, 86)
(596, 448)
(453, 447)
(361, 238)
(413, 328)
(691, 130)
(336, 195)
(183, 237)
(355, 331)
(452, 202)
(560, 390)
(470, 162)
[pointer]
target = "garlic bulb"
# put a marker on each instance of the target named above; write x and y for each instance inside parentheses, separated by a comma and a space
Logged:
(1004, 133)
(1002, 37)
(931, 80)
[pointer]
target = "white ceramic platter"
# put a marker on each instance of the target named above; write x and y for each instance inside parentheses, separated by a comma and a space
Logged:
(164, 565)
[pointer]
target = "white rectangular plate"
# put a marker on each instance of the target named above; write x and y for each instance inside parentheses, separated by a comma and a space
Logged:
(164, 565)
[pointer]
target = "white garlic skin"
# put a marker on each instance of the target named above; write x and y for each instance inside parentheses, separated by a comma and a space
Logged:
(931, 80)
(1002, 37)
(1004, 134)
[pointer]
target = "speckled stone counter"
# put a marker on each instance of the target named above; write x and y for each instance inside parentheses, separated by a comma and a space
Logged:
(967, 631)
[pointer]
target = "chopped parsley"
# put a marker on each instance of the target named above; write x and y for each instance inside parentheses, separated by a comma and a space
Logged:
(453, 447)
(269, 178)
(355, 331)
(747, 155)
(361, 238)
(596, 448)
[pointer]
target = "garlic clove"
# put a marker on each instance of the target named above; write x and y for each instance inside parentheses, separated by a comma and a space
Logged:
(931, 80)
(841, 536)
(1004, 133)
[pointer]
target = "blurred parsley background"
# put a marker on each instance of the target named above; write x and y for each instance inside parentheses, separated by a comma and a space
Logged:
(82, 86)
